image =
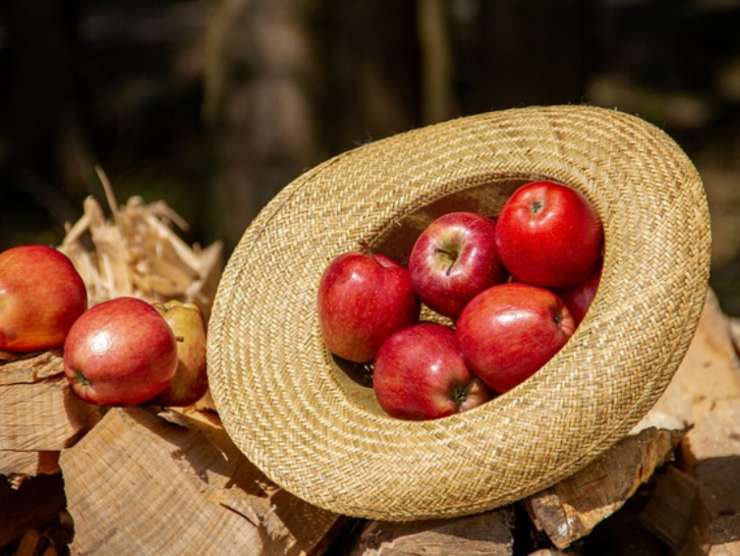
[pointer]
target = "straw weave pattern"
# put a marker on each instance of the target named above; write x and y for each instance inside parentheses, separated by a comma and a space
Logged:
(298, 416)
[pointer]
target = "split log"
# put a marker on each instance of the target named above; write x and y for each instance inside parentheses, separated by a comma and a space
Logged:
(676, 513)
(724, 536)
(39, 415)
(570, 509)
(488, 533)
(137, 483)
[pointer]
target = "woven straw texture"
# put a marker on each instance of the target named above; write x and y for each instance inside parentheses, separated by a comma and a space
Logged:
(320, 434)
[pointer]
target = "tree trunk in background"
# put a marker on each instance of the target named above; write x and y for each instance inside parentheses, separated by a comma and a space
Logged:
(257, 68)
(438, 102)
(42, 116)
(289, 84)
(512, 54)
(366, 58)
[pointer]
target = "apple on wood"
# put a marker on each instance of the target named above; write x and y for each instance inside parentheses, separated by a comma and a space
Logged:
(363, 299)
(420, 374)
(120, 352)
(509, 331)
(453, 260)
(190, 381)
(41, 296)
(548, 235)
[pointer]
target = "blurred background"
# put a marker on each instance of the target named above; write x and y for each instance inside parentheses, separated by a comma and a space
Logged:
(215, 105)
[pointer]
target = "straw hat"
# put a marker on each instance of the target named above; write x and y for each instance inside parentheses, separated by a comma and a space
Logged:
(313, 428)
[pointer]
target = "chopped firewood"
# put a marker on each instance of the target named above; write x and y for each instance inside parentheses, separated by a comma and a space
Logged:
(725, 536)
(137, 252)
(39, 415)
(712, 454)
(136, 473)
(706, 393)
(17, 465)
(488, 533)
(569, 510)
(676, 513)
(32, 506)
(547, 552)
(30, 543)
(50, 551)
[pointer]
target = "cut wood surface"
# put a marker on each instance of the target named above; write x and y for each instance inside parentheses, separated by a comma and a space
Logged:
(569, 510)
(39, 415)
(18, 464)
(139, 484)
(488, 533)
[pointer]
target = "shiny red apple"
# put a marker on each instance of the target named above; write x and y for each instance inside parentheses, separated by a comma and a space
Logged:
(120, 352)
(41, 296)
(420, 374)
(548, 235)
(509, 331)
(363, 299)
(578, 298)
(455, 259)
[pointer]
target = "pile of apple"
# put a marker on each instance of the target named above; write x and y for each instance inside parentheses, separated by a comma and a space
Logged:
(122, 351)
(515, 287)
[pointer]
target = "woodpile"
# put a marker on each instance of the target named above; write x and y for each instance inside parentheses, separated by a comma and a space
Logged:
(151, 480)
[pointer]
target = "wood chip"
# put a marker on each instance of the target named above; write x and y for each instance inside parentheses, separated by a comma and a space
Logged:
(137, 252)
(137, 483)
(569, 510)
(488, 533)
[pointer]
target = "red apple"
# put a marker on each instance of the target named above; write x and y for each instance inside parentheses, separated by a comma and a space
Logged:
(41, 296)
(455, 259)
(549, 235)
(120, 352)
(420, 374)
(509, 331)
(363, 299)
(190, 381)
(578, 299)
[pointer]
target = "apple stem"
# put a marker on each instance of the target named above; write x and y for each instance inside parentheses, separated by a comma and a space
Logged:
(558, 318)
(179, 338)
(82, 379)
(451, 256)
(460, 393)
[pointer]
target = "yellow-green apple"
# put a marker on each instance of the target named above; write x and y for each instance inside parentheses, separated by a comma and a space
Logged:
(41, 296)
(363, 299)
(578, 298)
(453, 260)
(509, 331)
(420, 374)
(190, 381)
(548, 235)
(120, 352)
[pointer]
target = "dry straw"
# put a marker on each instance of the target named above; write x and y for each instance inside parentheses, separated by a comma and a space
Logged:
(315, 431)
